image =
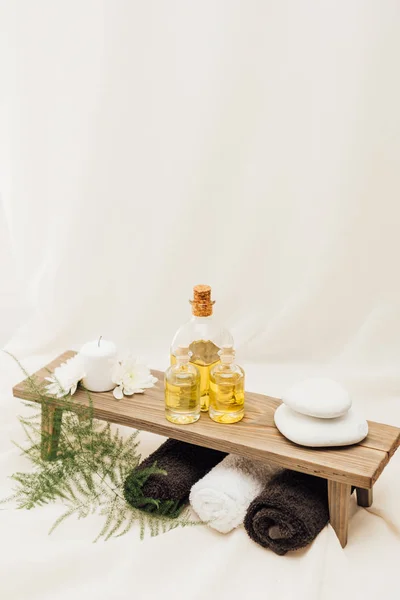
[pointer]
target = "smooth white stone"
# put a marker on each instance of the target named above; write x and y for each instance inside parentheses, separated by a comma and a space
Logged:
(318, 397)
(314, 432)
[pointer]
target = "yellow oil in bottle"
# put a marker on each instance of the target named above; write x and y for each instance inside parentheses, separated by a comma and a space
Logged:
(204, 357)
(181, 403)
(226, 400)
(227, 390)
(182, 393)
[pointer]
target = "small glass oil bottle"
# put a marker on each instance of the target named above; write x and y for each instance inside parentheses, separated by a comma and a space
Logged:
(182, 389)
(226, 389)
(204, 336)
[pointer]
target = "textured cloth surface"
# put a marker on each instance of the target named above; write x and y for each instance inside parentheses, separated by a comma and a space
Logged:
(67, 560)
(222, 497)
(149, 146)
(289, 513)
(184, 465)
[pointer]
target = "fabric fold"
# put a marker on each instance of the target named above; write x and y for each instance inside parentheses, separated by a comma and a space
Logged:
(289, 513)
(222, 497)
(184, 464)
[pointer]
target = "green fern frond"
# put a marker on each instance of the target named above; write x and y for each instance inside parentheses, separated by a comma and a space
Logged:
(62, 518)
(88, 474)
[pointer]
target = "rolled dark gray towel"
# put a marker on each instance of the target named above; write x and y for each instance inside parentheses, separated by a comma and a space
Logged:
(289, 513)
(168, 492)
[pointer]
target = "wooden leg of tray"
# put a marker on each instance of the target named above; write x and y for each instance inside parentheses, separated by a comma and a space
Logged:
(51, 429)
(364, 497)
(339, 502)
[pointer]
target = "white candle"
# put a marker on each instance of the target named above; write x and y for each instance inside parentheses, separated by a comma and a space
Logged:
(98, 357)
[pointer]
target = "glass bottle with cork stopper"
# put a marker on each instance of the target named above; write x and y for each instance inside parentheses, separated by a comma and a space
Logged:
(226, 389)
(182, 389)
(204, 337)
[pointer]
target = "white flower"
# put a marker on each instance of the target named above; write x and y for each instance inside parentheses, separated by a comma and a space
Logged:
(66, 377)
(131, 377)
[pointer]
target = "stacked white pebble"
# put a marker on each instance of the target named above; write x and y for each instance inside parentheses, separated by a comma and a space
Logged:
(317, 412)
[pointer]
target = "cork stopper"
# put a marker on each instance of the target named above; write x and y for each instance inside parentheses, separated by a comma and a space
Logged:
(202, 305)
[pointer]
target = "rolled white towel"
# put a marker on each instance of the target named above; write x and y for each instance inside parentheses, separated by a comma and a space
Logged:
(221, 497)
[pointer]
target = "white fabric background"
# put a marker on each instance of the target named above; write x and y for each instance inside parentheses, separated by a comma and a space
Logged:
(252, 145)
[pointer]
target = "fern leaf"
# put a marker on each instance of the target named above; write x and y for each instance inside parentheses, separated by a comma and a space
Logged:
(62, 518)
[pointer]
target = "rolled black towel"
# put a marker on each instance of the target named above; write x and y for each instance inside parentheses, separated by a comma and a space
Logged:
(167, 493)
(289, 513)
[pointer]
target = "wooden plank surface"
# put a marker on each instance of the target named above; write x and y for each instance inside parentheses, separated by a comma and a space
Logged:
(364, 497)
(339, 504)
(255, 436)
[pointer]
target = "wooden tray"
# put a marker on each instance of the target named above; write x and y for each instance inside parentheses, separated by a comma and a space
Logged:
(255, 436)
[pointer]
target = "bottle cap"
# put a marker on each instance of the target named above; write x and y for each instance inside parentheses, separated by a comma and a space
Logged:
(227, 353)
(183, 352)
(202, 305)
